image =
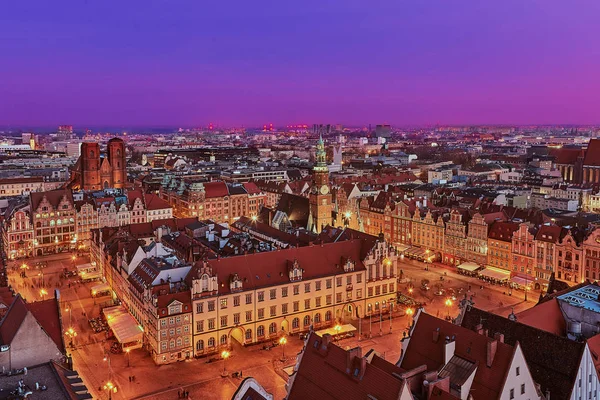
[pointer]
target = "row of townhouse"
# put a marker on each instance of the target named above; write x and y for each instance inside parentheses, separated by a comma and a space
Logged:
(61, 220)
(248, 298)
(524, 242)
(219, 201)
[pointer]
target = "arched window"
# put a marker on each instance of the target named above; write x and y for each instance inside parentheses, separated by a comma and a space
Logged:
(52, 222)
(306, 320)
(211, 342)
(223, 339)
(272, 328)
(179, 342)
(317, 318)
(248, 334)
(172, 344)
(328, 316)
(204, 283)
(260, 331)
(296, 323)
(200, 345)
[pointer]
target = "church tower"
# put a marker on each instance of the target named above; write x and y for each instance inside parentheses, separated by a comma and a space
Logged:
(116, 158)
(320, 196)
(90, 166)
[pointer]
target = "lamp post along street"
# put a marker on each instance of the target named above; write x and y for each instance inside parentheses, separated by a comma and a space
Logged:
(282, 342)
(225, 356)
(380, 321)
(391, 310)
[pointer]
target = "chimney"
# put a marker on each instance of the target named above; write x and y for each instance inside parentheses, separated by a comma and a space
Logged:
(436, 335)
(499, 337)
(350, 356)
(449, 348)
(492, 346)
(479, 329)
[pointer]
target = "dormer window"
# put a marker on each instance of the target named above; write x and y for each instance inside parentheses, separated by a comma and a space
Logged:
(349, 265)
(295, 272)
(235, 283)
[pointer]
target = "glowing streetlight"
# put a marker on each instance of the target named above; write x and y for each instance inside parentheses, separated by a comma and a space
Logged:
(43, 292)
(127, 353)
(254, 218)
(337, 329)
(110, 388)
(71, 333)
(282, 342)
(224, 355)
(348, 214)
(410, 290)
(448, 304)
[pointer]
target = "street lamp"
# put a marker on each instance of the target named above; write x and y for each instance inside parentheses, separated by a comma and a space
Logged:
(224, 356)
(410, 312)
(391, 311)
(127, 353)
(448, 304)
(282, 342)
(337, 329)
(254, 218)
(43, 292)
(410, 290)
(69, 309)
(110, 388)
(71, 333)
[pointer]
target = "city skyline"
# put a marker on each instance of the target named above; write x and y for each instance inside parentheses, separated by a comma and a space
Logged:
(404, 64)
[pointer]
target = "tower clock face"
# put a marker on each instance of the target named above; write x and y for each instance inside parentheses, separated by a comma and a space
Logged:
(324, 189)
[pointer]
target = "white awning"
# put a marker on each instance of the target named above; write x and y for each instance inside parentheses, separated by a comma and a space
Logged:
(123, 325)
(521, 281)
(103, 287)
(495, 273)
(469, 266)
(401, 247)
(332, 331)
(85, 267)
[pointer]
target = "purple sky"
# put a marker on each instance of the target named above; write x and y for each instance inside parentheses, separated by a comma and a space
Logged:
(188, 63)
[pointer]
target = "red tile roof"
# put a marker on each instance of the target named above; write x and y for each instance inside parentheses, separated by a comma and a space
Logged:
(251, 188)
(592, 154)
(326, 372)
(271, 268)
(502, 230)
(9, 181)
(47, 315)
(215, 189)
(548, 233)
(13, 319)
(153, 202)
(45, 312)
(566, 156)
(53, 196)
(469, 345)
(546, 316)
(552, 360)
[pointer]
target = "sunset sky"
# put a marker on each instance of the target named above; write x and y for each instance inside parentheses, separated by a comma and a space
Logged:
(189, 63)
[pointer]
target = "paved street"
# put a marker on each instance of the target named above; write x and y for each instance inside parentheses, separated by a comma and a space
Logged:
(203, 380)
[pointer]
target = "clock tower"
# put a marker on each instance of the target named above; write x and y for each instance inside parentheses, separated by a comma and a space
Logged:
(319, 195)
